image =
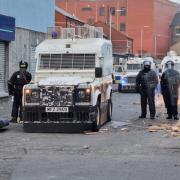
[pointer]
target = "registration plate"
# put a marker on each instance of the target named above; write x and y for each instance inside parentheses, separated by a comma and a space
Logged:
(57, 109)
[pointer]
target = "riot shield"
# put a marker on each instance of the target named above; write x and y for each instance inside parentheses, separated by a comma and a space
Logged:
(173, 80)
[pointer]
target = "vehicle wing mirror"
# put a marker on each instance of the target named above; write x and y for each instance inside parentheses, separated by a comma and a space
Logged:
(98, 72)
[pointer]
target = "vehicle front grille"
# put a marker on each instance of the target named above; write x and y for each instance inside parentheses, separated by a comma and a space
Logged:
(67, 61)
(131, 79)
(54, 96)
(56, 117)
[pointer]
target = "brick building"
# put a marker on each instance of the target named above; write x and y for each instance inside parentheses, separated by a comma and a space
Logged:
(147, 22)
(121, 43)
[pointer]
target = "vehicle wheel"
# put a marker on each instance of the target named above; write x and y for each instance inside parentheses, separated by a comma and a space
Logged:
(97, 122)
(109, 113)
(119, 88)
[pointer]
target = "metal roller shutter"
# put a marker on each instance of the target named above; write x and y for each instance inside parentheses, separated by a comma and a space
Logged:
(2, 67)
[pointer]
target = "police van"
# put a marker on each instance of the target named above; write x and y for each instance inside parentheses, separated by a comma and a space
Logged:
(73, 82)
(132, 68)
(118, 72)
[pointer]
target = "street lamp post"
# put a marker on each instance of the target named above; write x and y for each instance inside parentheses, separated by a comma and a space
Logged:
(142, 31)
(155, 45)
(110, 24)
(110, 21)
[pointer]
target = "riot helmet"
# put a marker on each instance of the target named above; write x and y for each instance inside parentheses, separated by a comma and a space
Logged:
(169, 64)
(23, 64)
(147, 65)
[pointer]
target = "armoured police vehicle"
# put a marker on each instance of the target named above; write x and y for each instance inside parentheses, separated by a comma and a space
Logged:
(72, 89)
(118, 72)
(132, 67)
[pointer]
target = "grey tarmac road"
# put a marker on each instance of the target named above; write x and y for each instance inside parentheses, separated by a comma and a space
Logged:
(111, 154)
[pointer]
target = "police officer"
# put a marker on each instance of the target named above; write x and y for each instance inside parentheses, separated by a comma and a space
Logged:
(15, 87)
(169, 88)
(146, 82)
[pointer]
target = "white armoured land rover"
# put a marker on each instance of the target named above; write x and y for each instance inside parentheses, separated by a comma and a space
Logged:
(72, 89)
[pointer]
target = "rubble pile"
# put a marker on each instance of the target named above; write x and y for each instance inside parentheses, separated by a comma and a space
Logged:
(173, 129)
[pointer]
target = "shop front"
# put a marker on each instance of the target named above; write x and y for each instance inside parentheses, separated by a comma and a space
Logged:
(7, 34)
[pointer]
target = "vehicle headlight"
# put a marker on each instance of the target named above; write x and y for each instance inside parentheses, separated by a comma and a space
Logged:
(83, 95)
(124, 80)
(32, 95)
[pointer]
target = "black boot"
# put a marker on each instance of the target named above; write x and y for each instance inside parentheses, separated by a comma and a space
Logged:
(13, 120)
(152, 116)
(176, 117)
(169, 117)
(142, 116)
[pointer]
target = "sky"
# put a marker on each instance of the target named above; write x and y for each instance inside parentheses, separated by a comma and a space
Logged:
(175, 1)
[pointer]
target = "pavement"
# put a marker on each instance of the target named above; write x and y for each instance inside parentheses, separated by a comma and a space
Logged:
(115, 153)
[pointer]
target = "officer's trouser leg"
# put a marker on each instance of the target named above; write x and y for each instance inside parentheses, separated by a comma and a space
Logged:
(175, 107)
(151, 97)
(143, 104)
(167, 102)
(16, 105)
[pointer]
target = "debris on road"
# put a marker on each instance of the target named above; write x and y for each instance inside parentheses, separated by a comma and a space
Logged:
(117, 124)
(86, 147)
(103, 130)
(159, 127)
(174, 129)
(125, 129)
(136, 103)
(89, 133)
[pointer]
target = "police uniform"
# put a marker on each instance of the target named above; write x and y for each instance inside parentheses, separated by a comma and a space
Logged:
(146, 82)
(169, 88)
(15, 87)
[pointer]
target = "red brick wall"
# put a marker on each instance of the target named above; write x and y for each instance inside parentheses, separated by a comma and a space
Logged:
(164, 12)
(140, 13)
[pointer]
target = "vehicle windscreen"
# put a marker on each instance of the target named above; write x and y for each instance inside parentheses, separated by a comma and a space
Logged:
(118, 69)
(66, 61)
(134, 67)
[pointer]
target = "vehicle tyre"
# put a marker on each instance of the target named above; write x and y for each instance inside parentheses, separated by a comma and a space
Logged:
(119, 88)
(109, 113)
(97, 122)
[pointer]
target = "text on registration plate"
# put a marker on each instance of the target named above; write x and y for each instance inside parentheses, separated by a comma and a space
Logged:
(57, 109)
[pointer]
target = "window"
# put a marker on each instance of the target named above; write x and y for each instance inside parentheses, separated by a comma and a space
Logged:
(113, 25)
(123, 11)
(112, 11)
(88, 8)
(102, 11)
(122, 27)
(177, 31)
